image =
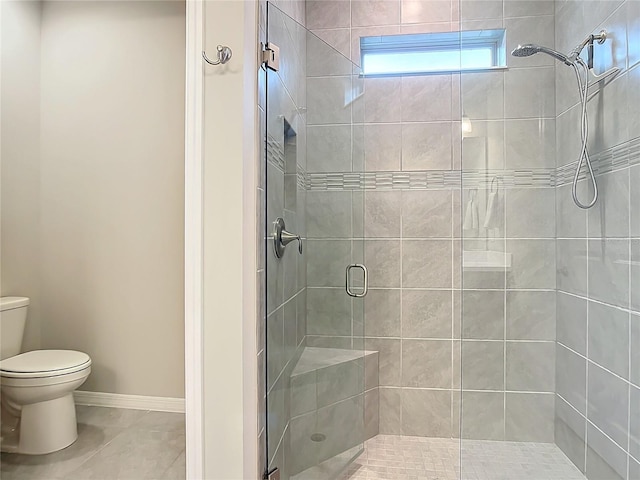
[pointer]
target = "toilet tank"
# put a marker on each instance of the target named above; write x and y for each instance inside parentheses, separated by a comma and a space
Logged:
(13, 316)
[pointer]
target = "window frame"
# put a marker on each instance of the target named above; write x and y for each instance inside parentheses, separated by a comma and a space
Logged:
(458, 42)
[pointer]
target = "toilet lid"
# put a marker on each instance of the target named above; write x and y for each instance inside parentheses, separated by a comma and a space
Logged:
(44, 363)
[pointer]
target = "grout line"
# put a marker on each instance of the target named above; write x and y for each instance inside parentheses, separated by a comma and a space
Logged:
(591, 362)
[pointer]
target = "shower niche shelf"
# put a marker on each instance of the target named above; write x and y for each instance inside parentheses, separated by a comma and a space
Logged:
(485, 261)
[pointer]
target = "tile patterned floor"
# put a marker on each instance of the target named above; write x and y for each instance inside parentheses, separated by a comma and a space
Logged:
(113, 444)
(391, 457)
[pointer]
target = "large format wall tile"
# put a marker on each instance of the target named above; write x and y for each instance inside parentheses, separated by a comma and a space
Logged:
(381, 100)
(426, 363)
(426, 313)
(382, 313)
(390, 407)
(426, 98)
(482, 365)
(605, 459)
(530, 143)
(529, 213)
(610, 216)
(426, 412)
(609, 271)
(426, 146)
(533, 264)
(329, 148)
(571, 324)
(529, 93)
(426, 263)
(570, 432)
(328, 311)
(529, 417)
(608, 403)
(389, 359)
(531, 366)
(375, 12)
(382, 214)
(483, 315)
(382, 258)
(529, 29)
(531, 315)
(571, 378)
(635, 348)
(382, 147)
(609, 338)
(427, 213)
(482, 415)
(571, 266)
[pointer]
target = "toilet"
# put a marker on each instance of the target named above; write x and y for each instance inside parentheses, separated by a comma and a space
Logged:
(36, 388)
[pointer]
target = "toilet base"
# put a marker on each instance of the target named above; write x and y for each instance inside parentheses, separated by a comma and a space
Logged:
(45, 427)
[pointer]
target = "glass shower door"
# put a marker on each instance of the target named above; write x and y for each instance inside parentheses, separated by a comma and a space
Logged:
(315, 277)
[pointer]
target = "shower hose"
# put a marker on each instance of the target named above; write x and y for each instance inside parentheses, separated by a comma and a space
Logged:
(583, 84)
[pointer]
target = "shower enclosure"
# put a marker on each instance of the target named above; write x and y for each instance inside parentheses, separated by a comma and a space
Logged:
(435, 303)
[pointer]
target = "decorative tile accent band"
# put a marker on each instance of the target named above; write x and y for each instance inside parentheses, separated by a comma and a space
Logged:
(275, 153)
(432, 179)
(621, 156)
(615, 158)
(384, 180)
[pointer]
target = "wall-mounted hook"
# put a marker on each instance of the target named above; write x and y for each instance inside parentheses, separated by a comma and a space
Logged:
(224, 55)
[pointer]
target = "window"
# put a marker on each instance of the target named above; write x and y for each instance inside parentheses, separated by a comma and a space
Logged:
(433, 52)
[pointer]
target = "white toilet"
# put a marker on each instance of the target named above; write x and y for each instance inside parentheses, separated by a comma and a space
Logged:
(38, 412)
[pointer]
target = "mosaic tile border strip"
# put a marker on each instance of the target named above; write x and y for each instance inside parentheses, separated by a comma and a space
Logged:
(616, 158)
(431, 180)
(275, 153)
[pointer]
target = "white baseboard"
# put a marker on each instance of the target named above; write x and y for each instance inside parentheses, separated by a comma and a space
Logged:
(136, 402)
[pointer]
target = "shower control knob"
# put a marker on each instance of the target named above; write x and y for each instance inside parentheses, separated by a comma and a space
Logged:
(282, 238)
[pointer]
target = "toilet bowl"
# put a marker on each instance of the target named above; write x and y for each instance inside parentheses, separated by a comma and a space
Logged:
(38, 411)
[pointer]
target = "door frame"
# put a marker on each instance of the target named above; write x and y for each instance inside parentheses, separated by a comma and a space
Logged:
(221, 368)
(193, 245)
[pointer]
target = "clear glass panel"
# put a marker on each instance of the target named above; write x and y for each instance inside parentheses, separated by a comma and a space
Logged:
(525, 253)
(314, 348)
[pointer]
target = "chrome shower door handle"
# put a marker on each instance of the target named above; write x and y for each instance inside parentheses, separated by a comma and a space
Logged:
(348, 280)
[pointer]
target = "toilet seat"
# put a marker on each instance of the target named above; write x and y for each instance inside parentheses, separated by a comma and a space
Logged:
(44, 364)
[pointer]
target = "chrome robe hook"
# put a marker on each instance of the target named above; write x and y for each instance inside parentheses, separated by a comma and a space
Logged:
(224, 55)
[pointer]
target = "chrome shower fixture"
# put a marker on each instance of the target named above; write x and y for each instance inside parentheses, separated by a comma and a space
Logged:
(581, 70)
(531, 49)
(575, 53)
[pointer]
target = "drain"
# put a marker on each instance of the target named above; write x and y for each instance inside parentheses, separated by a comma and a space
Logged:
(318, 437)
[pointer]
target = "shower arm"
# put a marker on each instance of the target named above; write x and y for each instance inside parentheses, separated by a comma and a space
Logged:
(600, 38)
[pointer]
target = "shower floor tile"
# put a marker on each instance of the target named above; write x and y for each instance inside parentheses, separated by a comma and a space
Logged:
(394, 457)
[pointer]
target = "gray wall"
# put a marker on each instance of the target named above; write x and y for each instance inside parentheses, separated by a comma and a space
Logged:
(97, 212)
(598, 332)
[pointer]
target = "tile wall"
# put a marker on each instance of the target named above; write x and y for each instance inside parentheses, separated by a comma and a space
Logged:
(598, 276)
(412, 229)
(508, 313)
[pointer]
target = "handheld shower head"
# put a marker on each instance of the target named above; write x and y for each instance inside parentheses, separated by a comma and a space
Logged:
(531, 49)
(525, 50)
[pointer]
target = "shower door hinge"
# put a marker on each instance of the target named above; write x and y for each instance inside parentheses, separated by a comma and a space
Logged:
(273, 474)
(271, 56)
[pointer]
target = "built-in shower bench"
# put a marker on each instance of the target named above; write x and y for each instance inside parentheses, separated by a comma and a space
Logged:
(334, 404)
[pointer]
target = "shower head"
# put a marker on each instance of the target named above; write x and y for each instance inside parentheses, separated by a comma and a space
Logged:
(531, 49)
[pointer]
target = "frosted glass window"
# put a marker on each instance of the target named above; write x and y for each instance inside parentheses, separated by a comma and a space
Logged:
(433, 52)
